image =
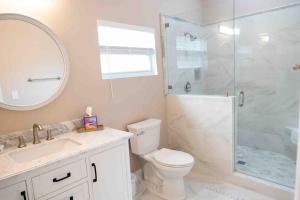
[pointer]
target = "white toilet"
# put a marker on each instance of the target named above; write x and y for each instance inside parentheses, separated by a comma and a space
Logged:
(165, 168)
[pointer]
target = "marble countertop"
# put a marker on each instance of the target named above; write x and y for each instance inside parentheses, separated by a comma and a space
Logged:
(88, 141)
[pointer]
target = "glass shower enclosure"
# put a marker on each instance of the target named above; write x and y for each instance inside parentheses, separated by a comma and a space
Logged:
(196, 55)
(253, 55)
(267, 83)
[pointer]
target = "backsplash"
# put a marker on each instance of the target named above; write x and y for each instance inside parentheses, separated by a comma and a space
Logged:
(11, 139)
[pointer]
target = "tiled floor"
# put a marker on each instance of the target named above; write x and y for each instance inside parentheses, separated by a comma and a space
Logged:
(199, 189)
(266, 165)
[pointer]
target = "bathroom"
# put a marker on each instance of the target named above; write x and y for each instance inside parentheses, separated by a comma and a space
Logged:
(154, 99)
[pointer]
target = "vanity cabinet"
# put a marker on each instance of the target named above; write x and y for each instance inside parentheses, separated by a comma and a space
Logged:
(110, 174)
(96, 174)
(14, 192)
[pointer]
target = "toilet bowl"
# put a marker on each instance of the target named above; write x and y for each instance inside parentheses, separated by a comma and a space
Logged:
(165, 168)
(164, 173)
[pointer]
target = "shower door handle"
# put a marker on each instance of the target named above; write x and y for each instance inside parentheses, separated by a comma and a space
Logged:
(241, 98)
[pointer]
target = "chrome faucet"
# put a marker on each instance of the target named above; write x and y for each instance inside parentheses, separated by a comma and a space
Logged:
(36, 128)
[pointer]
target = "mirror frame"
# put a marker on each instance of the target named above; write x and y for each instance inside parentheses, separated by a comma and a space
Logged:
(64, 80)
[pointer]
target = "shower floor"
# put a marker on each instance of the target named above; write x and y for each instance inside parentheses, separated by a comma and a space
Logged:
(266, 165)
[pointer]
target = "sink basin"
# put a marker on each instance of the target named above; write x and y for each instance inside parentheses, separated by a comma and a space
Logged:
(43, 150)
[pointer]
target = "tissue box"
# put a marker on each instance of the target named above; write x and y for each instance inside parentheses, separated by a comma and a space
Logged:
(90, 122)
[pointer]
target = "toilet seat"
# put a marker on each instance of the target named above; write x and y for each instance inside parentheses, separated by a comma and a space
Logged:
(172, 158)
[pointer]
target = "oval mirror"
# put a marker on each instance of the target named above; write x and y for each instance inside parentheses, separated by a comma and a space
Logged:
(34, 67)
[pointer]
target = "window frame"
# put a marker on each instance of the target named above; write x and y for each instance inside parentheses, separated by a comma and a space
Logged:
(121, 50)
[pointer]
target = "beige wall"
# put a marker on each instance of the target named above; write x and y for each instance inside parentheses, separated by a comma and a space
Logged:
(74, 21)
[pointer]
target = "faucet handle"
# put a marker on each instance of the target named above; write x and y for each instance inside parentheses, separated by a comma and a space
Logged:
(38, 127)
(22, 143)
(49, 135)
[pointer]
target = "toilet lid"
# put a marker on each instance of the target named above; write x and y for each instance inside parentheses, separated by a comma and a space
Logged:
(168, 157)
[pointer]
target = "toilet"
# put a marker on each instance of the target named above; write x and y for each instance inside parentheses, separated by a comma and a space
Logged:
(165, 168)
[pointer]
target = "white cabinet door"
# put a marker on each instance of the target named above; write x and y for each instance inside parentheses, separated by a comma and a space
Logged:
(14, 192)
(111, 174)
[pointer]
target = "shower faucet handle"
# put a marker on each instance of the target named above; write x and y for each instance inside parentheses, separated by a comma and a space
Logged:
(188, 87)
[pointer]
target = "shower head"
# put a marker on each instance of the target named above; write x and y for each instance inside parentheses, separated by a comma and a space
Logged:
(192, 37)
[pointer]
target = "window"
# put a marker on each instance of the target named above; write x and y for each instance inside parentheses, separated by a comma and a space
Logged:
(126, 50)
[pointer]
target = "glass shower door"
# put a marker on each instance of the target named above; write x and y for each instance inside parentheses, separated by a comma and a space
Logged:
(267, 77)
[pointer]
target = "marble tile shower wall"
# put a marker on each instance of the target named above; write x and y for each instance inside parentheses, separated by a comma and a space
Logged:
(203, 126)
(265, 54)
(218, 76)
(178, 77)
(215, 74)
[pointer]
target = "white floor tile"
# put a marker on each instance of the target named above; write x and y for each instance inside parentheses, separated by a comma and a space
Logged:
(199, 189)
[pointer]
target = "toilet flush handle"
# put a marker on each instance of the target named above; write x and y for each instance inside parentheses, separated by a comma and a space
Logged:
(141, 133)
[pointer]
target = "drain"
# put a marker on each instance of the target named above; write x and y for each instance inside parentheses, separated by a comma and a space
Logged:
(241, 162)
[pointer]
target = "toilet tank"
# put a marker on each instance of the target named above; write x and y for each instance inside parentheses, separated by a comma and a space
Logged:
(146, 136)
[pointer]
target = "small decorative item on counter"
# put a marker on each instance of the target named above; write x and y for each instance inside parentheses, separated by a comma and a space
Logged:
(89, 121)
